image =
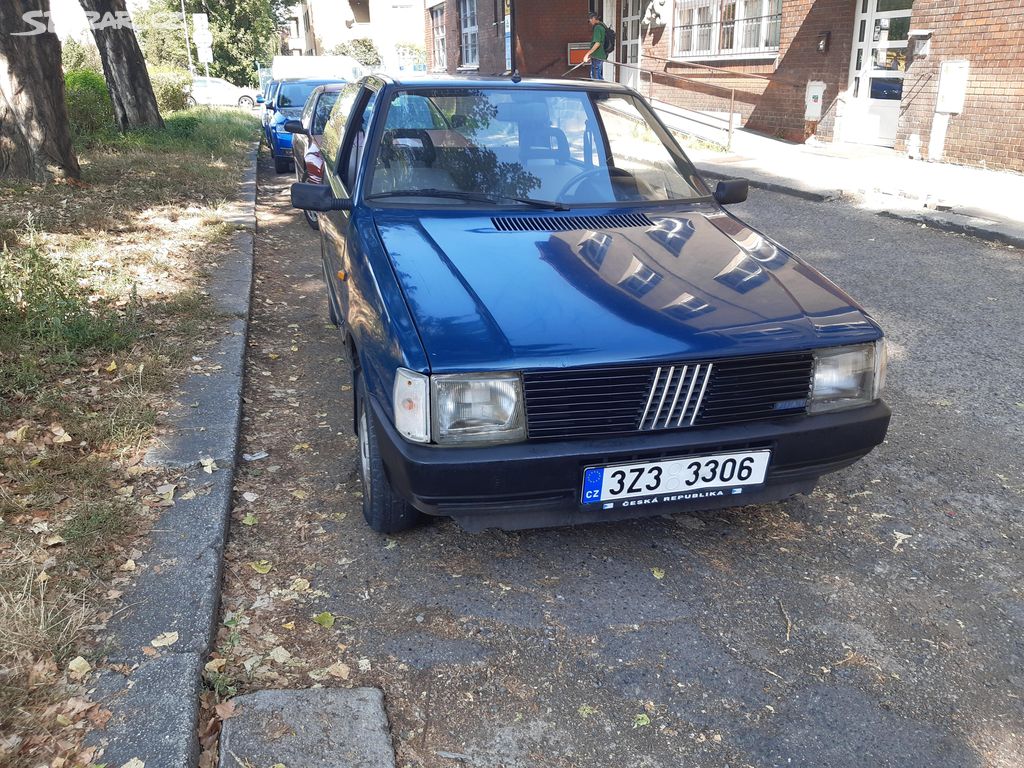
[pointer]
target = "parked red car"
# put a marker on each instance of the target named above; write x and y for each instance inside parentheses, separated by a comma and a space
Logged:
(307, 132)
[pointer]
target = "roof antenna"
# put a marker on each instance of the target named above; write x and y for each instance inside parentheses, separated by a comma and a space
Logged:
(516, 77)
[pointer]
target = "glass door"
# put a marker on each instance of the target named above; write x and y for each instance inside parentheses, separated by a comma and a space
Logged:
(878, 64)
(629, 42)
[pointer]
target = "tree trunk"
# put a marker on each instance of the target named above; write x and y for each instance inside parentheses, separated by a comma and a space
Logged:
(35, 138)
(123, 66)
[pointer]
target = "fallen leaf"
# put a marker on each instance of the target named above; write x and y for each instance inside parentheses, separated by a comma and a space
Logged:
(300, 494)
(164, 639)
(339, 670)
(659, 573)
(127, 565)
(302, 447)
(17, 435)
(900, 538)
(289, 625)
(215, 665)
(364, 665)
(280, 655)
(325, 619)
(255, 456)
(250, 496)
(112, 367)
(299, 585)
(390, 543)
(261, 566)
(209, 466)
(78, 668)
(166, 492)
(134, 763)
(586, 711)
(54, 540)
(225, 710)
(641, 721)
(250, 519)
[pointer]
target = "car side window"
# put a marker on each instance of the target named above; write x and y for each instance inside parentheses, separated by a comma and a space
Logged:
(348, 165)
(334, 130)
(307, 111)
(322, 112)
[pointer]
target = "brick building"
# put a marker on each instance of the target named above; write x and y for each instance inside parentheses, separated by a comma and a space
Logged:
(877, 65)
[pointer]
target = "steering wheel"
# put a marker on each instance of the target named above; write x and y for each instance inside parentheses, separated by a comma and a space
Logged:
(575, 181)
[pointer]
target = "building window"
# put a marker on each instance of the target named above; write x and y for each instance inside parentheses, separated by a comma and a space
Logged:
(726, 28)
(468, 30)
(437, 29)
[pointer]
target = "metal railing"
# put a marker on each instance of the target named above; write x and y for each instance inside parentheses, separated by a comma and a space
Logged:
(703, 83)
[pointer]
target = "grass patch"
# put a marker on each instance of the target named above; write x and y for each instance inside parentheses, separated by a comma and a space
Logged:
(101, 309)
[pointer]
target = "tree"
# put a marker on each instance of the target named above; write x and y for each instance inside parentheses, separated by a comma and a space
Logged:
(161, 35)
(78, 55)
(124, 67)
(35, 139)
(244, 35)
(362, 49)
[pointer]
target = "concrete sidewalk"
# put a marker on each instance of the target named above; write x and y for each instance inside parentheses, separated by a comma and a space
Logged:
(975, 201)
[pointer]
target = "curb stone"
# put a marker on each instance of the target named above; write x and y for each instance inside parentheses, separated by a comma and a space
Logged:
(983, 229)
(321, 727)
(155, 701)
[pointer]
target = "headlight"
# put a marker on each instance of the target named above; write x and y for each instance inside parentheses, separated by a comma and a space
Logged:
(847, 377)
(411, 403)
(477, 407)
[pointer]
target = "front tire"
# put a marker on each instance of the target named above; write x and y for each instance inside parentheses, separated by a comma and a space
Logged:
(246, 102)
(281, 164)
(384, 510)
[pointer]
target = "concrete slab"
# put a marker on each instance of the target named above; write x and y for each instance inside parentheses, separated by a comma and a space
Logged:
(322, 727)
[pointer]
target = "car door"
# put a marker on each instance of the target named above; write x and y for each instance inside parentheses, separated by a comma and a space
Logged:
(349, 119)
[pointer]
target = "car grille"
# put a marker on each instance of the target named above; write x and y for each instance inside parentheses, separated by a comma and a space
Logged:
(598, 402)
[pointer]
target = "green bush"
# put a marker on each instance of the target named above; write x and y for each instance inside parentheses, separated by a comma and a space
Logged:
(76, 55)
(170, 86)
(90, 110)
(362, 49)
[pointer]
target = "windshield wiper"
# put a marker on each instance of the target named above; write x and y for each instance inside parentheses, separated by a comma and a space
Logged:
(475, 197)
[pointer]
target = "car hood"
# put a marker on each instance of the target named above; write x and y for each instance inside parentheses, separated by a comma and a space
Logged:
(582, 290)
(286, 113)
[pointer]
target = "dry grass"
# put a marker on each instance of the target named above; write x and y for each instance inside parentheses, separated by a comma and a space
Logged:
(101, 309)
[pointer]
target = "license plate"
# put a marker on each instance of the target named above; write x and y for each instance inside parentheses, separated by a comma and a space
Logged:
(694, 477)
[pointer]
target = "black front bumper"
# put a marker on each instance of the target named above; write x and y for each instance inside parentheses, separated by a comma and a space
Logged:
(532, 484)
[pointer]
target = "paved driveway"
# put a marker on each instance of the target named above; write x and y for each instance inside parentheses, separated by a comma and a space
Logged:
(877, 622)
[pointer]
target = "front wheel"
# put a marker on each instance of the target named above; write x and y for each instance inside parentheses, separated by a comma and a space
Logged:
(385, 511)
(246, 102)
(190, 101)
(281, 164)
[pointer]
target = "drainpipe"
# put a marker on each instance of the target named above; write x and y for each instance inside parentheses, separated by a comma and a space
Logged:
(512, 33)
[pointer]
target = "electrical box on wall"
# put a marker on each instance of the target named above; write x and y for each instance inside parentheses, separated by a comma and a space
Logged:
(813, 98)
(952, 87)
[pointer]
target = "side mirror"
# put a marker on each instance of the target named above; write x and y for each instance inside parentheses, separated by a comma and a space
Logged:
(318, 197)
(731, 191)
(260, 99)
(295, 126)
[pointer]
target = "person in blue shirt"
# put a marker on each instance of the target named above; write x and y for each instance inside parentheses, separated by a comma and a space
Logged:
(596, 55)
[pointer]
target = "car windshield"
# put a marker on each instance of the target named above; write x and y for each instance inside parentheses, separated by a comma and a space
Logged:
(571, 147)
(295, 94)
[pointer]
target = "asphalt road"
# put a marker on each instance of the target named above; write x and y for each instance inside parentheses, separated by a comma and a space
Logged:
(878, 622)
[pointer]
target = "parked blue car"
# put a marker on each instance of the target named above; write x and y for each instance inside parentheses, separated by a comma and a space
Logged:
(552, 319)
(286, 103)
